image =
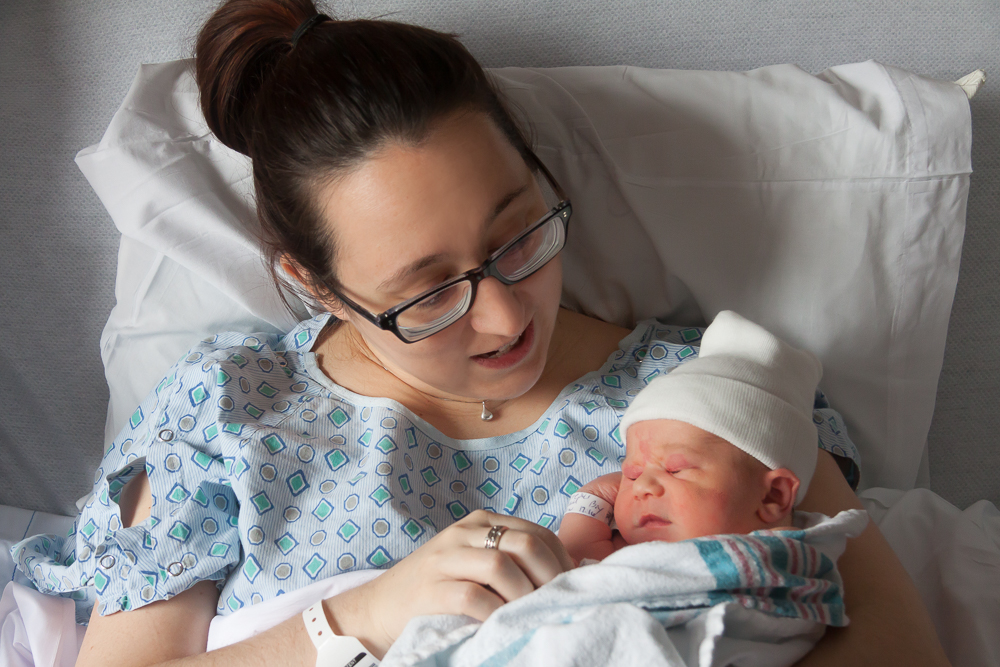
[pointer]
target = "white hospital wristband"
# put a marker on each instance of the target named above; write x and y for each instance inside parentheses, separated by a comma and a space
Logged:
(333, 650)
(592, 506)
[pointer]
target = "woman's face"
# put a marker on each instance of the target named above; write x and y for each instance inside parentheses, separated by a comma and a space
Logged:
(414, 216)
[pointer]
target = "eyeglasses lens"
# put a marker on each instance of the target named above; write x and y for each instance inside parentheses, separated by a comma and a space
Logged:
(520, 260)
(530, 253)
(435, 312)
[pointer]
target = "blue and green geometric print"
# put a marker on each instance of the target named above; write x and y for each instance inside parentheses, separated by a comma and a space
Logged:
(267, 476)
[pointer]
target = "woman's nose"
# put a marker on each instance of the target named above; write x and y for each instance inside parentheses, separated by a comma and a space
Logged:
(497, 310)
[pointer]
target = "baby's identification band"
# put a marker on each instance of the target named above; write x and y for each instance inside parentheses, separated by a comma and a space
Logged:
(590, 505)
(333, 650)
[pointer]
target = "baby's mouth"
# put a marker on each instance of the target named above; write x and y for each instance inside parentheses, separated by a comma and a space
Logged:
(652, 521)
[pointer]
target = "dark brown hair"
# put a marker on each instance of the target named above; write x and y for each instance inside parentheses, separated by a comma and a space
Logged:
(306, 114)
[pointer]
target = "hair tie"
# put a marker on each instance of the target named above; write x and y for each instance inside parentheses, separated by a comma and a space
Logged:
(306, 25)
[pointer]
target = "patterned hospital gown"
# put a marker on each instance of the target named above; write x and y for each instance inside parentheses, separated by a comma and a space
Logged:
(266, 476)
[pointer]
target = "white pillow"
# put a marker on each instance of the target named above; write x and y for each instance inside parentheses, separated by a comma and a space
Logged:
(829, 208)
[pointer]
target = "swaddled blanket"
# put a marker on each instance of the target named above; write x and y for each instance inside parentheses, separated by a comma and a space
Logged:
(763, 598)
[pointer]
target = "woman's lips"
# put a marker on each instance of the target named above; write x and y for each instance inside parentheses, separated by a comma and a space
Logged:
(518, 351)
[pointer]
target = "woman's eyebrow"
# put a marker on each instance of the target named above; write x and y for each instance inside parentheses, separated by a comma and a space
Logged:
(413, 267)
(424, 262)
(504, 203)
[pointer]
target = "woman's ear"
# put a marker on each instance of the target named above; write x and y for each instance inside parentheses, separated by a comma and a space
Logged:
(781, 486)
(333, 305)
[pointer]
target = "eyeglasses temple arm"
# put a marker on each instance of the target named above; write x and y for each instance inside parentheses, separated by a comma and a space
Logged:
(549, 177)
(377, 320)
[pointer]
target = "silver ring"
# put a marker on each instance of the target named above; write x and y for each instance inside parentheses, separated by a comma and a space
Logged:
(493, 537)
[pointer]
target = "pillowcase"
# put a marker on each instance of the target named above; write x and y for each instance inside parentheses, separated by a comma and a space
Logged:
(830, 209)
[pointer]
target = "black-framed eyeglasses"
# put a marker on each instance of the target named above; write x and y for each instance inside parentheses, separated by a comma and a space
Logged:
(441, 306)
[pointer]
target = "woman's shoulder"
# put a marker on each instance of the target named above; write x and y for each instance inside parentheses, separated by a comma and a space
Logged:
(586, 341)
(236, 375)
(239, 349)
(652, 348)
(585, 335)
(584, 344)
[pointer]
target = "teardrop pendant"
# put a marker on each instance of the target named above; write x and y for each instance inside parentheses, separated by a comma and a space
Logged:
(487, 415)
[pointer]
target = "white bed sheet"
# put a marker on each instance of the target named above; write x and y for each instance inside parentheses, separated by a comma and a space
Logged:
(952, 555)
(35, 629)
(17, 524)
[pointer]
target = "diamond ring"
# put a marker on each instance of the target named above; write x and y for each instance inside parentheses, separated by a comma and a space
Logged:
(493, 537)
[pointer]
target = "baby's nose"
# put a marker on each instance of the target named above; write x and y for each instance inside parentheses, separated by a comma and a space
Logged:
(647, 484)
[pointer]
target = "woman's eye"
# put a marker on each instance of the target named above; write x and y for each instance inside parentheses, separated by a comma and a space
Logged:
(432, 302)
(428, 284)
(518, 249)
(513, 230)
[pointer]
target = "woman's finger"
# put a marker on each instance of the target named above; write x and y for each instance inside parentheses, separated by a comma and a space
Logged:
(488, 567)
(454, 573)
(532, 555)
(483, 519)
(557, 548)
(466, 597)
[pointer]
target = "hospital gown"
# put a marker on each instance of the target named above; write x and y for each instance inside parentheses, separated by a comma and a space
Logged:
(267, 476)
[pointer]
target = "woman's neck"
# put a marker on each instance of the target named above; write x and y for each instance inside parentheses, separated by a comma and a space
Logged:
(579, 344)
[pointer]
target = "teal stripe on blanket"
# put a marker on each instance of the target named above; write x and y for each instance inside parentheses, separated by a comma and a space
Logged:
(720, 564)
(509, 652)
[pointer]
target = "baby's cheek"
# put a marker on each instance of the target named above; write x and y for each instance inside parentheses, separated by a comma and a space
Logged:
(623, 506)
(623, 515)
(714, 511)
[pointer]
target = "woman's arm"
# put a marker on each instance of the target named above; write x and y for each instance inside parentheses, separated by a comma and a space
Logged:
(450, 574)
(176, 630)
(889, 624)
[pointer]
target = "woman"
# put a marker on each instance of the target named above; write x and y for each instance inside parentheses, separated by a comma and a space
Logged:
(394, 188)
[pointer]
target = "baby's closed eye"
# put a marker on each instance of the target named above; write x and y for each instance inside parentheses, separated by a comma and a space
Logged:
(676, 462)
(631, 471)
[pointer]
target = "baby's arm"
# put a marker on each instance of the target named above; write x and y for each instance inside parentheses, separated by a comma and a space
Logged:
(588, 537)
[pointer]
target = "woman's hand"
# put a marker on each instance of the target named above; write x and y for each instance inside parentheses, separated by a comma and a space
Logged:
(452, 574)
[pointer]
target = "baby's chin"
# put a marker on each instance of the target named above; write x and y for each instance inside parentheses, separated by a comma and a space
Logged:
(665, 531)
(656, 531)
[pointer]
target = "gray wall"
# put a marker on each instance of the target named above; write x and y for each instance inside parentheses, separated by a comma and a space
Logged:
(65, 67)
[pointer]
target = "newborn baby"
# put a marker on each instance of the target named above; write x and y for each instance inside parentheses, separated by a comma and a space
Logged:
(723, 444)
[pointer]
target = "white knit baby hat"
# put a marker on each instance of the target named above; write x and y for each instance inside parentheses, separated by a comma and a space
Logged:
(747, 387)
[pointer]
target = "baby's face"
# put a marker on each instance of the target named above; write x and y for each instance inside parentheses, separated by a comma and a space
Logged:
(680, 482)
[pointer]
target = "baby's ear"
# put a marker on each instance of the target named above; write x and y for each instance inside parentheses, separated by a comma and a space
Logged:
(781, 486)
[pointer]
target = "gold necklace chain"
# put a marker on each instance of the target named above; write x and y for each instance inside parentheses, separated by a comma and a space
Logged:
(485, 415)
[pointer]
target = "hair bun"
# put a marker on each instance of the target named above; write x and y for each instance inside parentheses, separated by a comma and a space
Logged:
(237, 50)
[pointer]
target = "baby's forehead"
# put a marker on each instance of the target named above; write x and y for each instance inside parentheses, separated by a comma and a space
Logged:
(670, 433)
(692, 448)
(689, 442)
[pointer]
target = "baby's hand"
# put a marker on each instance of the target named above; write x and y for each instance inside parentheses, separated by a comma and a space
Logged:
(588, 537)
(604, 487)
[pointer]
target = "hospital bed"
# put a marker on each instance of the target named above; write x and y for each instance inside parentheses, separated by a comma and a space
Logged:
(66, 70)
